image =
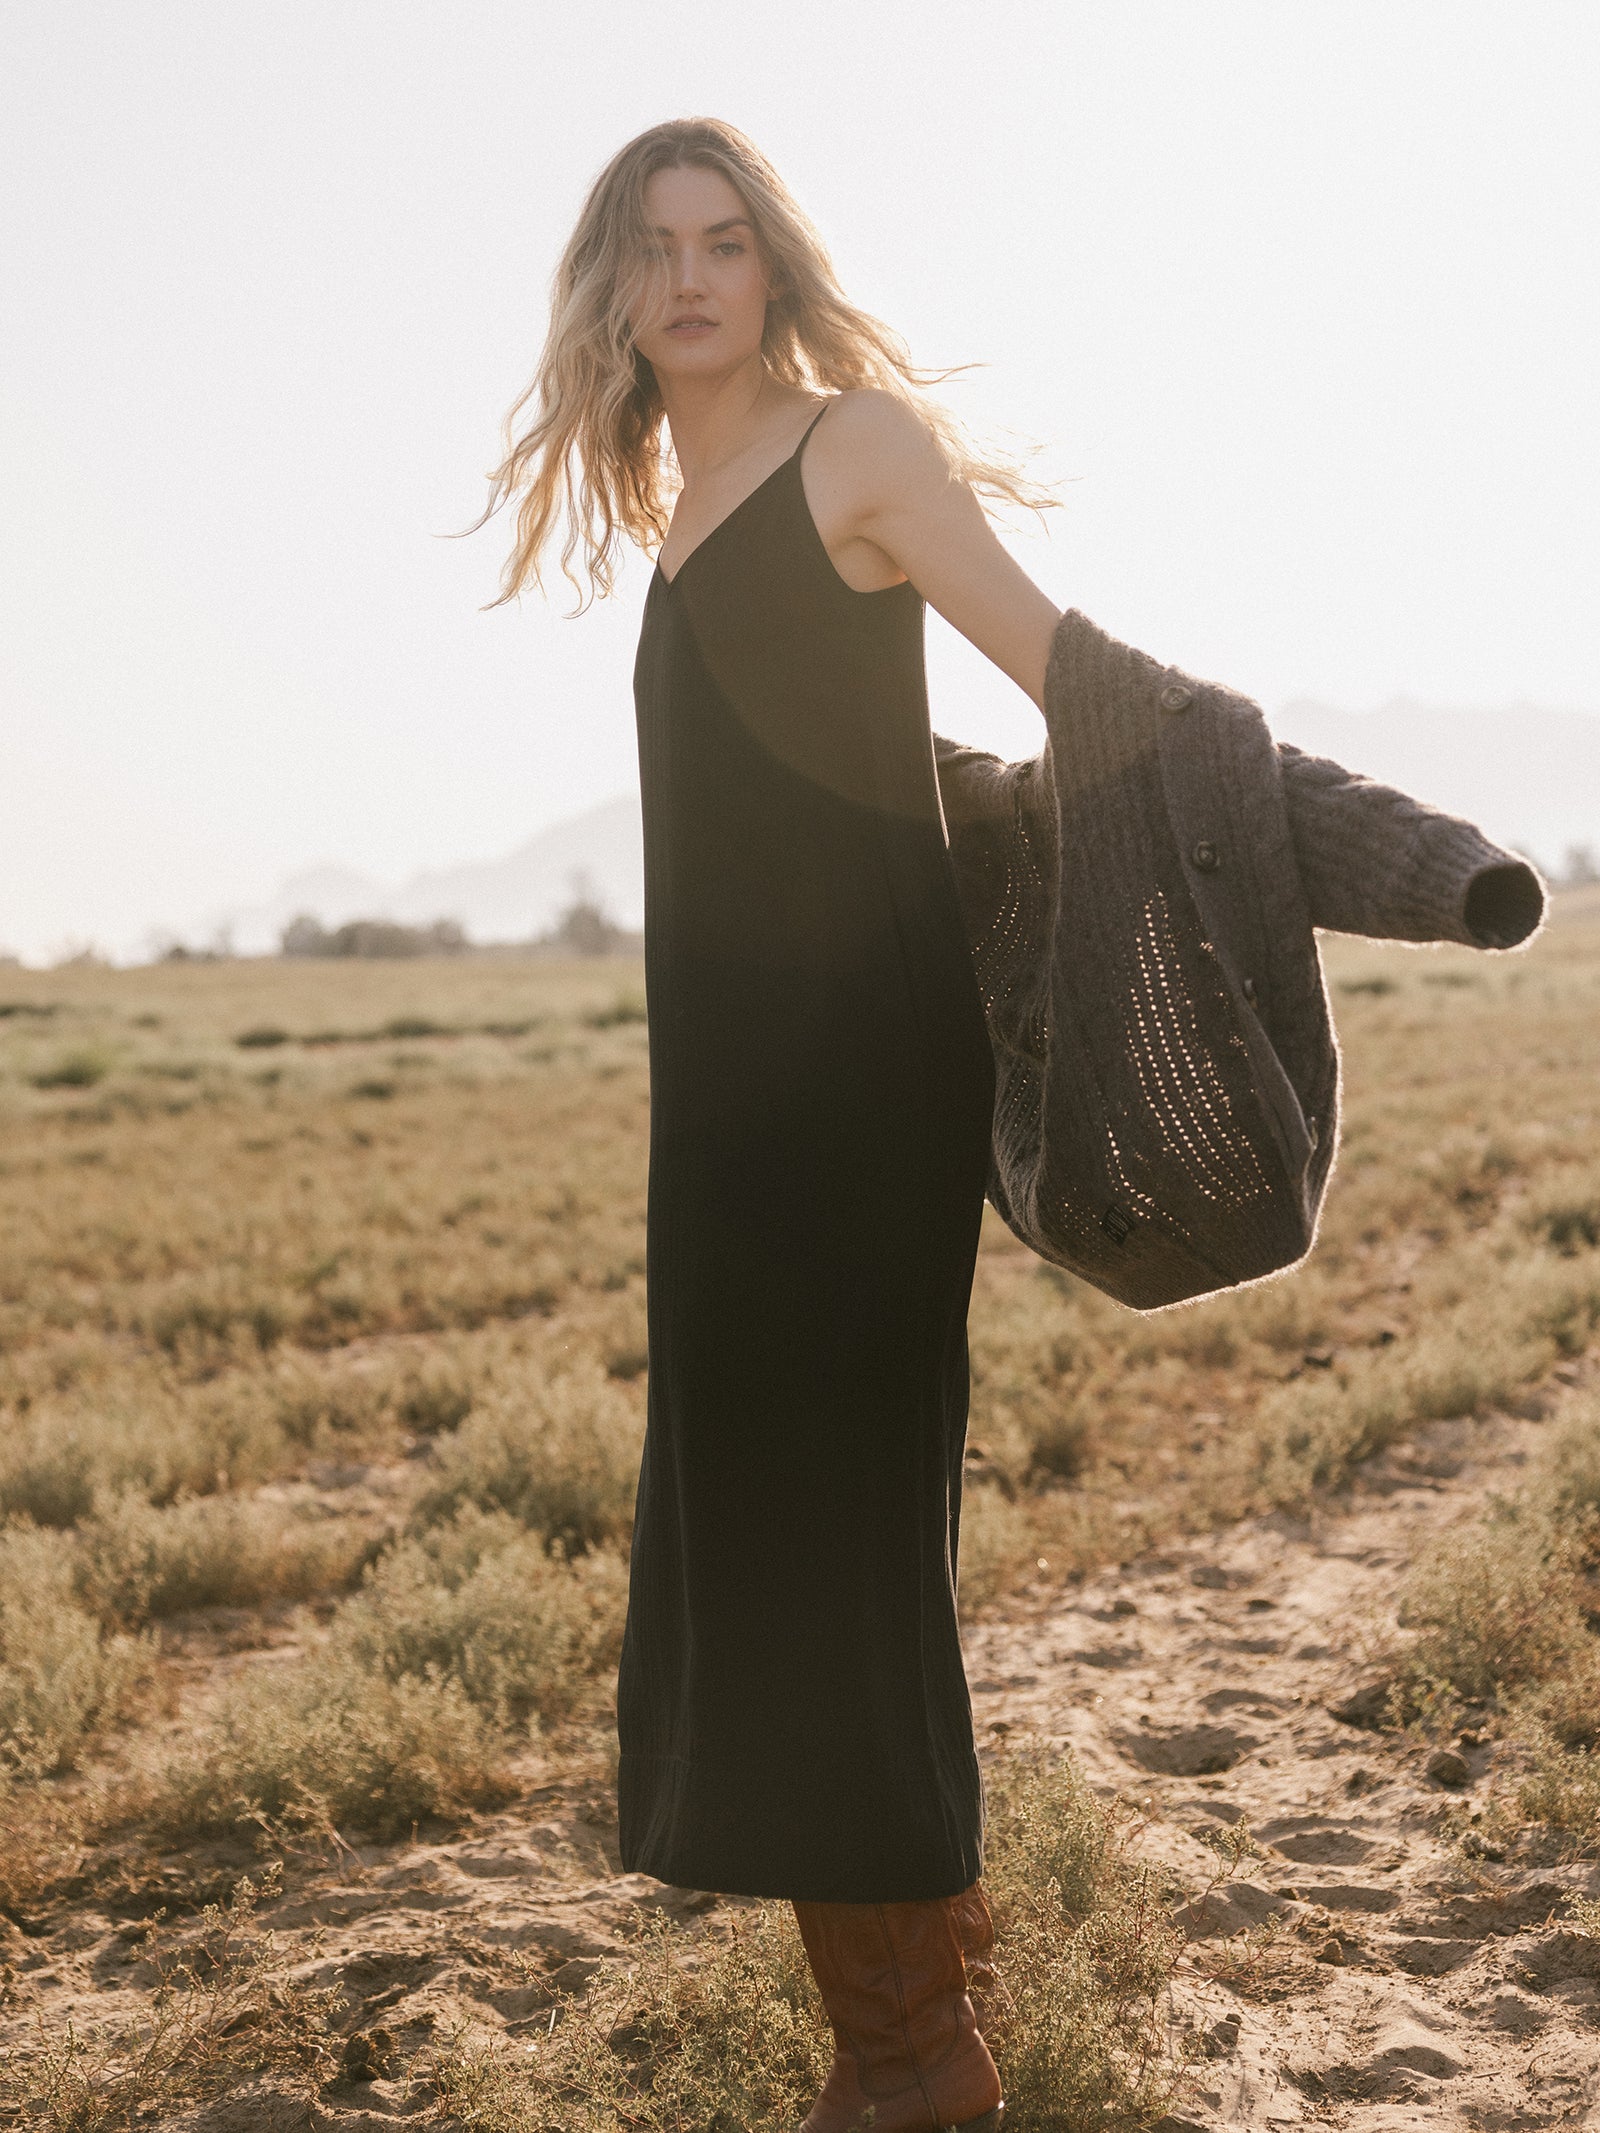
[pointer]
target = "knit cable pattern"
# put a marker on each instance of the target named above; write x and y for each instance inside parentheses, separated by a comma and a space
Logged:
(1141, 900)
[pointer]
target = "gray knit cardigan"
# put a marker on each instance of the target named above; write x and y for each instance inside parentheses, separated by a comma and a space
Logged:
(1140, 900)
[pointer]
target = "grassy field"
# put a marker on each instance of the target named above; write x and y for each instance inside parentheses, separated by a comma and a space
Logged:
(322, 1371)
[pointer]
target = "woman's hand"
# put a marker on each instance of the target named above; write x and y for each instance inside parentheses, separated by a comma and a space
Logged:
(887, 509)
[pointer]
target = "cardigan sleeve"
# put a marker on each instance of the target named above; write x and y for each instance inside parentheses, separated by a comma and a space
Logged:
(1377, 862)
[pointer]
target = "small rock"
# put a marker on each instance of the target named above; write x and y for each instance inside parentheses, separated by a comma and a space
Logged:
(1447, 1767)
(1210, 1577)
(1222, 2038)
(1122, 1607)
(1332, 1951)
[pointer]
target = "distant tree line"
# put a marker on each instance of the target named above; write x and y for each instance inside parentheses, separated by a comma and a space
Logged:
(372, 937)
(584, 928)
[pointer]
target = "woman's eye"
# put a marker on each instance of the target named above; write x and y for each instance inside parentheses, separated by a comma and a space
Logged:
(730, 244)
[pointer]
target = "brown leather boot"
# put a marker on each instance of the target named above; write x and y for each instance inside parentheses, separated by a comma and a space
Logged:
(975, 1931)
(893, 1981)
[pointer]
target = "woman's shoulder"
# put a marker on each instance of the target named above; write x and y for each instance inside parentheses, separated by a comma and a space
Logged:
(881, 441)
(873, 415)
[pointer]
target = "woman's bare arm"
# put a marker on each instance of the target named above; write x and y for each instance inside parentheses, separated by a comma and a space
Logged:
(887, 508)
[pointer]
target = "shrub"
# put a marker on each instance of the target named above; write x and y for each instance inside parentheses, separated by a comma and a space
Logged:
(1570, 1226)
(1566, 1485)
(224, 2015)
(1061, 1439)
(997, 1541)
(1496, 1607)
(1561, 1791)
(137, 1562)
(731, 2042)
(561, 1456)
(730, 2038)
(1567, 1707)
(435, 1398)
(625, 1008)
(332, 1742)
(61, 1678)
(1045, 1825)
(410, 1026)
(372, 937)
(481, 1602)
(74, 1070)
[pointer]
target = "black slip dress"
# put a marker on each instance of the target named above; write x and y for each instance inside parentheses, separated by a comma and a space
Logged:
(792, 1708)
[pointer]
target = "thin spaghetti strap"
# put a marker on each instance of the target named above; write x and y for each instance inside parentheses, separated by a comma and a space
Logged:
(811, 425)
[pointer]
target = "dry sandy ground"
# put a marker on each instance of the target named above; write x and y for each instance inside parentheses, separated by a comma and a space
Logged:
(1387, 1983)
(1349, 1970)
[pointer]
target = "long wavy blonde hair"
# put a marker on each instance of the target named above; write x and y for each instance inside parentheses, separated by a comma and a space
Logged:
(594, 452)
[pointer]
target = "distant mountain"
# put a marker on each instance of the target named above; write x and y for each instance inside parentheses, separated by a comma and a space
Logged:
(507, 899)
(1529, 777)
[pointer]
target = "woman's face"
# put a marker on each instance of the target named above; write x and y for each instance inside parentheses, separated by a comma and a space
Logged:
(712, 307)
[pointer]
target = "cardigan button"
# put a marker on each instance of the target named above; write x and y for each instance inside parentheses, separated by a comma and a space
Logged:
(1205, 857)
(1175, 697)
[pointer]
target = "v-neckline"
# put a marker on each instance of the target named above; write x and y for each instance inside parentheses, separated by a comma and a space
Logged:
(748, 498)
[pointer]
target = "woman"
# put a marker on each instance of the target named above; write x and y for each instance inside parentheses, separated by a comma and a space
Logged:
(793, 1714)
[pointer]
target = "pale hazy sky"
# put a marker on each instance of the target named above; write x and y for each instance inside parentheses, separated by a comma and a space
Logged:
(1304, 297)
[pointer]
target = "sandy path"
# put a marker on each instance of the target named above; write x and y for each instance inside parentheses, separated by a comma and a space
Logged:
(1396, 1986)
(1385, 1984)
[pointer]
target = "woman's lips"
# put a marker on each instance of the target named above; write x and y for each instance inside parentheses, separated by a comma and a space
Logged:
(686, 328)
